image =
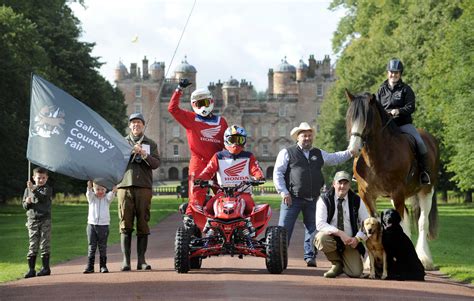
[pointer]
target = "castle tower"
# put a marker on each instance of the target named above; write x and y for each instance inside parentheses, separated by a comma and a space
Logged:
(230, 92)
(157, 71)
(301, 71)
(185, 70)
(284, 78)
(121, 71)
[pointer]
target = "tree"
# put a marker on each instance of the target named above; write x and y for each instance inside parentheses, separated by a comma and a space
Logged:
(43, 37)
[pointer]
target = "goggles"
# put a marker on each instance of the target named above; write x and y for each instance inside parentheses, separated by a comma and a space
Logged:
(237, 139)
(202, 102)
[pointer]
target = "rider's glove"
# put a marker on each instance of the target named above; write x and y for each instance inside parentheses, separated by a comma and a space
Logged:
(395, 112)
(183, 83)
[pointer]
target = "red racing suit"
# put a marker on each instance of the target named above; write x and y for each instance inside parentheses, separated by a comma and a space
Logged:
(231, 170)
(205, 138)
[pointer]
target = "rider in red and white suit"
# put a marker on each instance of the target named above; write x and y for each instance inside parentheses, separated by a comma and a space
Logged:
(204, 131)
(233, 165)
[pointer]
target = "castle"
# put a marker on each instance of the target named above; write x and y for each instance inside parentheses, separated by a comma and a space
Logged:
(294, 95)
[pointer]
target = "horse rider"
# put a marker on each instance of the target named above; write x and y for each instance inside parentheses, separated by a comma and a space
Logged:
(398, 99)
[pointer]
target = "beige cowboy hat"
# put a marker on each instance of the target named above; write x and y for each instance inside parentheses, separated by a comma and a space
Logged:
(304, 126)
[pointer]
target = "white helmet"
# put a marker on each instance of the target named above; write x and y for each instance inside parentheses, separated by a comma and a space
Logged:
(202, 102)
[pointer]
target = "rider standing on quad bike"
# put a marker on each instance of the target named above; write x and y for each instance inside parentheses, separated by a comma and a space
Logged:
(233, 165)
(204, 131)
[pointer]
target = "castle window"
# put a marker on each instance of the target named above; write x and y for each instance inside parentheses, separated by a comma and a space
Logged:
(282, 111)
(282, 130)
(318, 112)
(319, 90)
(175, 150)
(175, 131)
(138, 91)
(138, 106)
(265, 150)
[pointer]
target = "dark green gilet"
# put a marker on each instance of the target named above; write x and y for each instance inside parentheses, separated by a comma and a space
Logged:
(303, 177)
(354, 204)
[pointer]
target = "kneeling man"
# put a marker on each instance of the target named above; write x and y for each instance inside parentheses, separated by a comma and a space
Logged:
(339, 215)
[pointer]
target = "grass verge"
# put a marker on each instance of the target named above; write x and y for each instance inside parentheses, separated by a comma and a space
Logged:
(68, 237)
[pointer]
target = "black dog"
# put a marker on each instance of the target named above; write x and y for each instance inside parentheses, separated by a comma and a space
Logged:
(402, 261)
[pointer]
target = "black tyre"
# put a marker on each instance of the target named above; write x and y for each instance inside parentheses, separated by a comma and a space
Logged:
(181, 250)
(277, 252)
(284, 238)
(195, 263)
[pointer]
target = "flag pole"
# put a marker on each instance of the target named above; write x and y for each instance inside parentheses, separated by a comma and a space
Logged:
(31, 100)
(166, 75)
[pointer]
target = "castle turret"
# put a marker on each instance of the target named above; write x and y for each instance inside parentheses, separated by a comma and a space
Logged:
(230, 92)
(301, 71)
(157, 71)
(120, 72)
(284, 78)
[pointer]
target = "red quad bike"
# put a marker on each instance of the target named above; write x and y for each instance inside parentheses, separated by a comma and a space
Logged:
(220, 228)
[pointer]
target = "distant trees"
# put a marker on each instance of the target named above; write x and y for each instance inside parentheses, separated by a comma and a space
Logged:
(43, 37)
(434, 39)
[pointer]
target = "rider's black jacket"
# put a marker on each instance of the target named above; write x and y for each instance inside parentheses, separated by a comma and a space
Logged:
(400, 97)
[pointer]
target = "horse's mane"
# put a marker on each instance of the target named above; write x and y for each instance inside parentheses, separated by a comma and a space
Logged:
(359, 110)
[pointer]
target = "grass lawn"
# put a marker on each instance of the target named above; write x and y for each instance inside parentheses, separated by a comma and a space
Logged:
(69, 238)
(452, 251)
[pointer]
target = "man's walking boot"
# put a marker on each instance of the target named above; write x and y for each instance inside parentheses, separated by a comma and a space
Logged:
(31, 267)
(45, 270)
(103, 264)
(142, 243)
(336, 270)
(90, 265)
(126, 244)
(424, 173)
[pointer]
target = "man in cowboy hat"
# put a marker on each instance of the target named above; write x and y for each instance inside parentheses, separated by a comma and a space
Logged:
(298, 178)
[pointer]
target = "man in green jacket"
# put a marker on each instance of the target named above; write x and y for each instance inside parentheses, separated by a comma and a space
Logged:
(135, 191)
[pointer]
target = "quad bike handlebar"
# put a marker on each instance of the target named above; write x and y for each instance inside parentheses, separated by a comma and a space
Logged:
(211, 183)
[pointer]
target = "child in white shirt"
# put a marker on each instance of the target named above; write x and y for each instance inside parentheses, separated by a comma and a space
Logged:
(98, 221)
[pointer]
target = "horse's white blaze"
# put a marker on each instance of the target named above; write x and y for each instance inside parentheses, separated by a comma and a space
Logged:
(422, 248)
(355, 143)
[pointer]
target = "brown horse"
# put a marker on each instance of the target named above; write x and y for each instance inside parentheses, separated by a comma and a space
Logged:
(385, 166)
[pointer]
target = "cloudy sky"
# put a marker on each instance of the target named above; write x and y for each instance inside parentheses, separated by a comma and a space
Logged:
(224, 38)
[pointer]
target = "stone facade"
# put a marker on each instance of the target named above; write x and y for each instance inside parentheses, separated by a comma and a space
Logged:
(294, 95)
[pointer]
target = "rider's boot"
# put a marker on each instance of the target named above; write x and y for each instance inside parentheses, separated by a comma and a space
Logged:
(424, 173)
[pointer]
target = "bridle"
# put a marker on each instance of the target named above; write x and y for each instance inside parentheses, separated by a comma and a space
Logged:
(356, 134)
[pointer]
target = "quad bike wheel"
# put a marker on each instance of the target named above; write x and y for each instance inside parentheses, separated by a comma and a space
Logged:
(181, 250)
(277, 250)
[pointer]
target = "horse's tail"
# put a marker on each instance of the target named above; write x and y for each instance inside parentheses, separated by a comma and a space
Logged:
(432, 218)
